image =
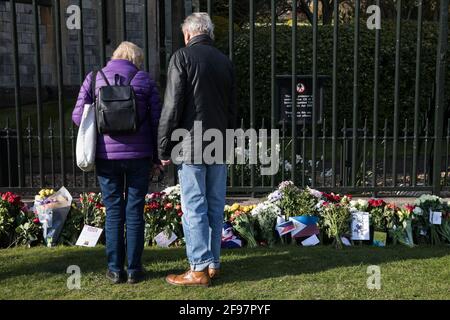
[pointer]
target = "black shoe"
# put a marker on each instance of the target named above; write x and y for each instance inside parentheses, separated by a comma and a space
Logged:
(135, 277)
(116, 277)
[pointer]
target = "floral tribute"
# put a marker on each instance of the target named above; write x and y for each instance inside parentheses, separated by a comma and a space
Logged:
(426, 221)
(18, 225)
(163, 213)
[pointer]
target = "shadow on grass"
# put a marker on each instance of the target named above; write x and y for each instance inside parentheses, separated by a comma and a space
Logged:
(238, 264)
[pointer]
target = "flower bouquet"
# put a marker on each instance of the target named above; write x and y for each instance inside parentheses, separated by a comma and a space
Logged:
(18, 226)
(243, 223)
(336, 221)
(401, 230)
(163, 213)
(430, 204)
(378, 214)
(72, 227)
(52, 210)
(266, 215)
(93, 209)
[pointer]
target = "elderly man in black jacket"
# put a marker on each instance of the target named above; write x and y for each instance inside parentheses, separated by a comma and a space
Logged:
(199, 98)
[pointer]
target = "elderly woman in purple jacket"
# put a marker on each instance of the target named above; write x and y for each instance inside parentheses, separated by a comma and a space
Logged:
(123, 163)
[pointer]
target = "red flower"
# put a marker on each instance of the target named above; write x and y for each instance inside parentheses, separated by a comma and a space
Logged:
(349, 196)
(36, 221)
(154, 205)
(376, 203)
(12, 199)
(178, 207)
(168, 206)
(409, 208)
(331, 197)
(180, 213)
(99, 205)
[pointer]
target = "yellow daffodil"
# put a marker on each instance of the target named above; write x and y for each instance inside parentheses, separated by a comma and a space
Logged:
(234, 207)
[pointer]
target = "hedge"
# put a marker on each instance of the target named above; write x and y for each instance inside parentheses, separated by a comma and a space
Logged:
(345, 67)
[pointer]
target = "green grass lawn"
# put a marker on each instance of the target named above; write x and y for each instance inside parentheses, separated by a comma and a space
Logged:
(278, 273)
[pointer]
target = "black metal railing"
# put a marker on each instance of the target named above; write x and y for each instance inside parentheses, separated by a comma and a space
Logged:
(408, 153)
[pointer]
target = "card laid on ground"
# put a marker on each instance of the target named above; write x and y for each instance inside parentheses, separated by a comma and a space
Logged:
(435, 217)
(89, 236)
(379, 239)
(311, 241)
(164, 240)
(360, 226)
(346, 242)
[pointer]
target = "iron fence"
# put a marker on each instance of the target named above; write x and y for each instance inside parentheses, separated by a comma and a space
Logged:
(374, 155)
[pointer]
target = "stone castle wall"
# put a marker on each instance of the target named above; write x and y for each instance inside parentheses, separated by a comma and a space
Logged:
(71, 50)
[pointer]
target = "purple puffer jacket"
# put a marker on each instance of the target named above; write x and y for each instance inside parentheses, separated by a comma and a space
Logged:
(141, 144)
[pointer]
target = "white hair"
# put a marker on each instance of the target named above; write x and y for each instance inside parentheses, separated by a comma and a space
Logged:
(198, 23)
(131, 52)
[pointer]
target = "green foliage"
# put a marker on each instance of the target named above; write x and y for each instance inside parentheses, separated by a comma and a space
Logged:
(336, 219)
(262, 56)
(72, 227)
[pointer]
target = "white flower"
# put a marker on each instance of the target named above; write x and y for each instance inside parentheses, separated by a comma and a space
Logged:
(418, 211)
(363, 204)
(172, 191)
(298, 159)
(287, 166)
(266, 207)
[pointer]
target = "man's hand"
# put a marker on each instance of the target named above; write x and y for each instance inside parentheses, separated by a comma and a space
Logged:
(166, 163)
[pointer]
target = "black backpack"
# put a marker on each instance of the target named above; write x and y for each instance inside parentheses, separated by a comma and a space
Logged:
(115, 109)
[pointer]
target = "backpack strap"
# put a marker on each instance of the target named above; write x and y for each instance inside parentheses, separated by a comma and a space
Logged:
(104, 77)
(132, 77)
(93, 83)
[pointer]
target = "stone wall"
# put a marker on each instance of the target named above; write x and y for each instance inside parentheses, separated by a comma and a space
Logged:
(71, 50)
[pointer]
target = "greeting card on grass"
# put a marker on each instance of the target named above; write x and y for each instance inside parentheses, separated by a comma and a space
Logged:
(164, 240)
(435, 217)
(89, 236)
(379, 239)
(311, 241)
(360, 226)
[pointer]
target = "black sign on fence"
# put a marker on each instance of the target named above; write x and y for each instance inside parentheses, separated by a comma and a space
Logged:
(304, 98)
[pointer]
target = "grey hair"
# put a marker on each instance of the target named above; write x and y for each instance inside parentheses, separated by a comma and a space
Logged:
(198, 23)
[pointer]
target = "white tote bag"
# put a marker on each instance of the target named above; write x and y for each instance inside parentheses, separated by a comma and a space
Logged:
(87, 139)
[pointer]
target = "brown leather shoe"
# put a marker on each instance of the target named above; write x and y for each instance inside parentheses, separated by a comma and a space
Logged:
(214, 273)
(190, 279)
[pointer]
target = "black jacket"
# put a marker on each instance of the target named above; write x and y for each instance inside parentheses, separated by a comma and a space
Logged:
(200, 87)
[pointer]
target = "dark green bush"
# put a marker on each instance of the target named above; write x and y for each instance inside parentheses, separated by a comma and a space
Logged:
(345, 68)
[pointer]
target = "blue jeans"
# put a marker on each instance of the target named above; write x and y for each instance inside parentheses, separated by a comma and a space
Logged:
(124, 184)
(203, 189)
